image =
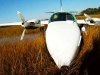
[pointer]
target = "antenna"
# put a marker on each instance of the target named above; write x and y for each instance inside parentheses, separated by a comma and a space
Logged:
(61, 5)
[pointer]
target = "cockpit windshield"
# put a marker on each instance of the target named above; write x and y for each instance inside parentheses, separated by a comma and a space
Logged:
(61, 17)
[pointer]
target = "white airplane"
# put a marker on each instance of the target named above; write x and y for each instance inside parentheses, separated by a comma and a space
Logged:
(63, 35)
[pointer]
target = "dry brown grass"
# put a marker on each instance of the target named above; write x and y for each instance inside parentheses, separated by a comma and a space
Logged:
(15, 31)
(28, 57)
(88, 59)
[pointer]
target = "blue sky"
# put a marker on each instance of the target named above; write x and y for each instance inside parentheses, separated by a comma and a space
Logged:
(35, 9)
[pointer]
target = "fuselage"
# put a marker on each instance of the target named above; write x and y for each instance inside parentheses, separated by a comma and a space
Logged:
(63, 38)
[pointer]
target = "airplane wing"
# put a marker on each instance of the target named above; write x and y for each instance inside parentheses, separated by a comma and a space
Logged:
(11, 24)
(43, 22)
(89, 21)
(25, 23)
(35, 21)
(95, 21)
(81, 21)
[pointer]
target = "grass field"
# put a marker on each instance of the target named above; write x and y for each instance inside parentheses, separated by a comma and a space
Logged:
(31, 57)
(15, 31)
(93, 16)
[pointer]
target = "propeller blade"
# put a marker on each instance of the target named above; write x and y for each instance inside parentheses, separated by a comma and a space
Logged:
(22, 36)
(87, 16)
(20, 15)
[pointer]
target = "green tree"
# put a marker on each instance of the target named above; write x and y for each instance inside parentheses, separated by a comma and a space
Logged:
(91, 11)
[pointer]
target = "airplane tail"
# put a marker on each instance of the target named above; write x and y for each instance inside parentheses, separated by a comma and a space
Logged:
(61, 5)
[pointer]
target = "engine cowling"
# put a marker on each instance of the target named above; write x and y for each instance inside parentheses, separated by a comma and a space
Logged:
(29, 25)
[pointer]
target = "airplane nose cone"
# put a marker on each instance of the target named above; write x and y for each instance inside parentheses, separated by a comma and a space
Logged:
(62, 42)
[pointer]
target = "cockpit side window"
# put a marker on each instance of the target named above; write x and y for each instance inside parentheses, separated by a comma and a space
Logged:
(69, 17)
(61, 17)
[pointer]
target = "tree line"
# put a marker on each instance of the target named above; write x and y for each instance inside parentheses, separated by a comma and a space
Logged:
(91, 11)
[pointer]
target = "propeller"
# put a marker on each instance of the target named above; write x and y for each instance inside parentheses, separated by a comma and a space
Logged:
(89, 17)
(22, 36)
(27, 24)
(21, 17)
(96, 21)
(23, 22)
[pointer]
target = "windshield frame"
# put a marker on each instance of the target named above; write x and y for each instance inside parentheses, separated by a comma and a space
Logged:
(74, 18)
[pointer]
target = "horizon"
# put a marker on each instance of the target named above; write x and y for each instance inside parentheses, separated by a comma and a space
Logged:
(35, 9)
